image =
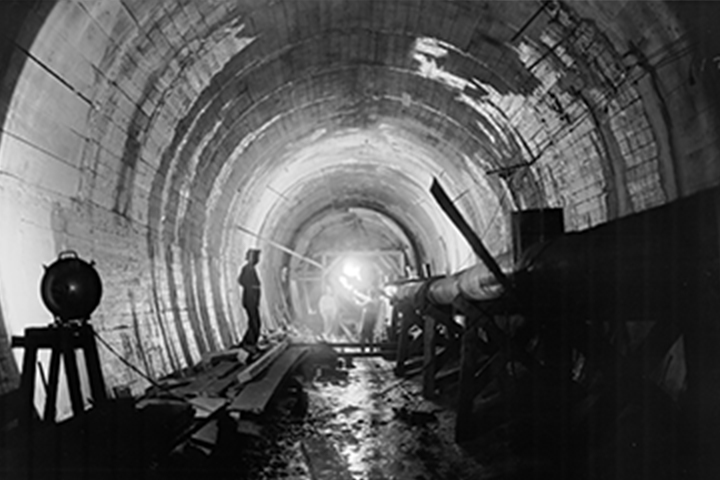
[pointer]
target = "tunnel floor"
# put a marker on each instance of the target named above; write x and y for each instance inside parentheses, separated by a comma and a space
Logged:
(384, 429)
(355, 423)
(362, 422)
(333, 420)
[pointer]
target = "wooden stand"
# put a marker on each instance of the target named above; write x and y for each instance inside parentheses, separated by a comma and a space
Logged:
(62, 340)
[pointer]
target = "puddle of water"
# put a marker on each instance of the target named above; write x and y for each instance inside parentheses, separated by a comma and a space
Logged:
(387, 433)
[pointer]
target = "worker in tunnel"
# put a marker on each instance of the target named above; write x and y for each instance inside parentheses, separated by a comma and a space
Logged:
(369, 317)
(328, 307)
(250, 283)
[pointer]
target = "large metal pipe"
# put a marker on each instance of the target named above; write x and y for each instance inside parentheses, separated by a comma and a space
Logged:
(641, 267)
(476, 283)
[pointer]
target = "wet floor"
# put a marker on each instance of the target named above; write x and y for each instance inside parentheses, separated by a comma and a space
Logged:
(383, 428)
(359, 423)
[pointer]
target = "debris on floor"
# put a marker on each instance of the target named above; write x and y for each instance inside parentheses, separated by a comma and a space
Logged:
(288, 410)
(187, 419)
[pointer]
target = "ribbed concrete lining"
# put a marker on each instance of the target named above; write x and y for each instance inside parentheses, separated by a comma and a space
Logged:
(141, 133)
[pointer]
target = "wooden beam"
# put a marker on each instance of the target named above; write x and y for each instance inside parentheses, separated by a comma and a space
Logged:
(429, 364)
(403, 342)
(405, 345)
(468, 233)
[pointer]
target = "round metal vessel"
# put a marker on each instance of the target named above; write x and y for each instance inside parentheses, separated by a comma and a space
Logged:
(71, 288)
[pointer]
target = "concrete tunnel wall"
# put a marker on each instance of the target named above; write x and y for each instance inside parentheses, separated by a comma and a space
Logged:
(140, 134)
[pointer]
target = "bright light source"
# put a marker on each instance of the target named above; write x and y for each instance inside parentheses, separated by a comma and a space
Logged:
(351, 269)
(345, 283)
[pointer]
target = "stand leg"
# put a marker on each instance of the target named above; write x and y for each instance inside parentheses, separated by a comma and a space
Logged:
(27, 382)
(53, 378)
(92, 361)
(71, 370)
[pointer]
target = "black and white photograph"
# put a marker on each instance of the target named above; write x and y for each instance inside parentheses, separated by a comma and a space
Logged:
(359, 239)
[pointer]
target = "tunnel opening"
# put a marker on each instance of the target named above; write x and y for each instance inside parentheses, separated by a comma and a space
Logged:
(381, 248)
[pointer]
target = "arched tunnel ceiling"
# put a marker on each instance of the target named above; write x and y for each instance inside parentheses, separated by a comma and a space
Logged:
(144, 133)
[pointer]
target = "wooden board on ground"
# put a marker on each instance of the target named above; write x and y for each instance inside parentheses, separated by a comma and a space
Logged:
(255, 396)
(206, 406)
(208, 434)
(204, 379)
(259, 365)
(217, 387)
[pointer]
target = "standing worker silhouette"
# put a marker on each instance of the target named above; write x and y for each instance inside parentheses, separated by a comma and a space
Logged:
(328, 311)
(250, 283)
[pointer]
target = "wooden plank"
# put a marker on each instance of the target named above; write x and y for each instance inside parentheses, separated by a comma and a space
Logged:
(238, 355)
(218, 386)
(255, 396)
(208, 434)
(257, 367)
(221, 376)
(204, 379)
(206, 406)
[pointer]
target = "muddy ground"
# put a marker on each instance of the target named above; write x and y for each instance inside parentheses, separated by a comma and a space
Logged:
(358, 423)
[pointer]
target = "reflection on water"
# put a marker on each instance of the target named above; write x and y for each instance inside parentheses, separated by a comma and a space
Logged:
(384, 429)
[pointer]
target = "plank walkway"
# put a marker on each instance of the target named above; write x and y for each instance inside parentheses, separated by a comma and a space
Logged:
(255, 396)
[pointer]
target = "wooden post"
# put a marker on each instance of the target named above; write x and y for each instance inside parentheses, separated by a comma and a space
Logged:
(466, 393)
(403, 341)
(429, 362)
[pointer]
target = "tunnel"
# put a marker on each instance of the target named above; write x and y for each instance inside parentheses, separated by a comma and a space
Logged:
(161, 140)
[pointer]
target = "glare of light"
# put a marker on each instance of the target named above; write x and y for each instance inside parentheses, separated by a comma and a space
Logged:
(390, 290)
(345, 282)
(351, 269)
